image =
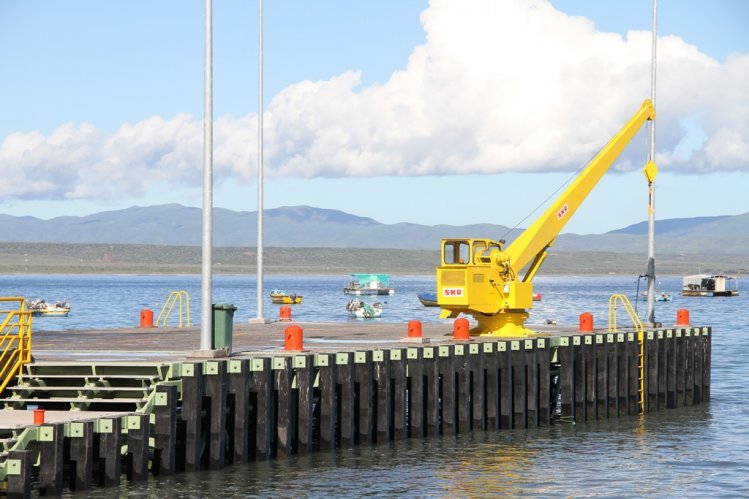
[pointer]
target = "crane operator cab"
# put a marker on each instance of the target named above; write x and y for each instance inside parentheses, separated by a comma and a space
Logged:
(475, 278)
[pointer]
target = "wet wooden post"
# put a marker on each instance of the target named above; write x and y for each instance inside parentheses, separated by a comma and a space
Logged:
(581, 377)
(699, 351)
(491, 366)
(398, 373)
(651, 368)
(192, 408)
(566, 377)
(328, 400)
(633, 406)
(19, 465)
(238, 390)
(286, 425)
(138, 435)
(689, 347)
(81, 441)
(384, 407)
(432, 382)
(663, 362)
(448, 398)
(601, 366)
(463, 394)
(304, 366)
(478, 392)
(506, 398)
(671, 382)
(108, 450)
(261, 384)
(416, 393)
(543, 381)
(707, 363)
(51, 444)
(681, 364)
(519, 384)
(622, 374)
(348, 424)
(216, 388)
(612, 376)
(364, 372)
(591, 377)
(165, 430)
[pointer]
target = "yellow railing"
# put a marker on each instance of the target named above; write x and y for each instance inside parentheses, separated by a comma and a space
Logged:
(15, 339)
(175, 297)
(637, 324)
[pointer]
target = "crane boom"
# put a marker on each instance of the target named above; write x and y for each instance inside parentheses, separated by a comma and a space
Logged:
(481, 278)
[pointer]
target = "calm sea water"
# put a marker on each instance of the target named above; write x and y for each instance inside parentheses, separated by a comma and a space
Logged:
(698, 451)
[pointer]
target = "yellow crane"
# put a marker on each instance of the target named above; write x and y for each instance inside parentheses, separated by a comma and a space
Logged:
(480, 277)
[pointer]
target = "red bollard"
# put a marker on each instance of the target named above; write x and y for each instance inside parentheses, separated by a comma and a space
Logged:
(285, 313)
(682, 317)
(461, 330)
(146, 318)
(38, 416)
(414, 329)
(293, 338)
(586, 322)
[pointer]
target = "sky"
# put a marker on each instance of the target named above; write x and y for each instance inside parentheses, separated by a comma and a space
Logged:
(430, 112)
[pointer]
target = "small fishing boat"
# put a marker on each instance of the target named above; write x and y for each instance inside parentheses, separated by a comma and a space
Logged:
(537, 296)
(659, 296)
(428, 299)
(361, 310)
(60, 308)
(283, 298)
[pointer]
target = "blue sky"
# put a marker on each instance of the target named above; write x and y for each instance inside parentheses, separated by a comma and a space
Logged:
(403, 111)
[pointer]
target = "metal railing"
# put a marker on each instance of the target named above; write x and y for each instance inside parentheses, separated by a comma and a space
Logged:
(15, 339)
(175, 297)
(637, 324)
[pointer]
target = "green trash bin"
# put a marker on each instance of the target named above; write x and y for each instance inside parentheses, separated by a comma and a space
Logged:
(223, 322)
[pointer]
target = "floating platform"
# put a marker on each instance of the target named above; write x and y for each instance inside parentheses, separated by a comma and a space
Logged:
(129, 404)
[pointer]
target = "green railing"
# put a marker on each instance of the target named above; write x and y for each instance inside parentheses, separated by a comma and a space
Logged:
(15, 338)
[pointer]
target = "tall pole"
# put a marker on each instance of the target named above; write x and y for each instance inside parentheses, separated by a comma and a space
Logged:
(650, 172)
(260, 318)
(206, 305)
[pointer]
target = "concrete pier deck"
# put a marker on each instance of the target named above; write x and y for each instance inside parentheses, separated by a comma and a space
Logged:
(172, 344)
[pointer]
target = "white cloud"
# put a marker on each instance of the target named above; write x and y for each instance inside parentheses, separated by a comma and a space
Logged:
(498, 86)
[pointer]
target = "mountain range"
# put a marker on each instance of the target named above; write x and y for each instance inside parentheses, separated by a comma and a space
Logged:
(308, 227)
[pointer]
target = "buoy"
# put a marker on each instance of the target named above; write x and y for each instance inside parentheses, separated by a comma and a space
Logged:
(293, 338)
(586, 322)
(285, 313)
(414, 329)
(682, 317)
(38, 416)
(146, 318)
(460, 329)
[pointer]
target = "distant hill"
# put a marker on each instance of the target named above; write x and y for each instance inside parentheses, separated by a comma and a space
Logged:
(308, 227)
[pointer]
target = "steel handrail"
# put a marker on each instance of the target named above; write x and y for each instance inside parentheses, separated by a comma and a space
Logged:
(171, 301)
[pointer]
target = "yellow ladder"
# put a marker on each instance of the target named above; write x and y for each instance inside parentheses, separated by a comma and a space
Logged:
(15, 340)
(637, 324)
(175, 297)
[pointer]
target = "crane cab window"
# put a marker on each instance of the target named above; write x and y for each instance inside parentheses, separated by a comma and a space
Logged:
(456, 252)
(478, 249)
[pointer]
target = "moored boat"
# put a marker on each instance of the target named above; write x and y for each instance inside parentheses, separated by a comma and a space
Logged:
(428, 299)
(283, 298)
(60, 308)
(710, 285)
(362, 310)
(369, 284)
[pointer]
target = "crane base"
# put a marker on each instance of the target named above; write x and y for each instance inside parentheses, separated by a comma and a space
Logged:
(506, 325)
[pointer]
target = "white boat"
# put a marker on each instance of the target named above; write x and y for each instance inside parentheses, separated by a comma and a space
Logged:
(60, 308)
(369, 284)
(710, 285)
(361, 310)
